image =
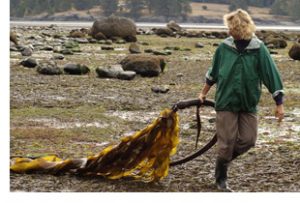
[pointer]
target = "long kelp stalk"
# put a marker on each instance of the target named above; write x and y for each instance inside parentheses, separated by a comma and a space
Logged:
(144, 155)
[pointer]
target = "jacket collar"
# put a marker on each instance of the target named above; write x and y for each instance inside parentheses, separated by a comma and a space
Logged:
(254, 43)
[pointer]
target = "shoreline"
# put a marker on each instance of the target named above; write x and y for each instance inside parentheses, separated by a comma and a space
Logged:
(149, 25)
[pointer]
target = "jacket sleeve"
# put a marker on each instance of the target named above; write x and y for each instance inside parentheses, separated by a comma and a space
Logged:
(212, 73)
(269, 73)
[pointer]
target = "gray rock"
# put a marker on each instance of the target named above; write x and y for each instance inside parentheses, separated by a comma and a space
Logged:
(163, 89)
(92, 40)
(76, 69)
(199, 45)
(134, 48)
(27, 51)
(164, 32)
(114, 26)
(82, 40)
(144, 43)
(162, 53)
(58, 57)
(71, 44)
(100, 36)
(67, 52)
(13, 48)
(126, 75)
(148, 50)
(172, 25)
(49, 68)
(107, 48)
(294, 52)
(108, 42)
(120, 41)
(277, 42)
(109, 72)
(57, 49)
(29, 62)
(145, 65)
(47, 48)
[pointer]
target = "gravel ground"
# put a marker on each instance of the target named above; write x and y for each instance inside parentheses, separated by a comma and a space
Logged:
(76, 116)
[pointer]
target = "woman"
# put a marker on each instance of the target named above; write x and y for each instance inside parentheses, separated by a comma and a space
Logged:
(240, 65)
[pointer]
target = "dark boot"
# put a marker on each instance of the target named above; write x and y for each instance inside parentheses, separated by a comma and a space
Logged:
(235, 155)
(221, 174)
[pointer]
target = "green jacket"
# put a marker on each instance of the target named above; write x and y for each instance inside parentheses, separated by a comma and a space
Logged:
(239, 76)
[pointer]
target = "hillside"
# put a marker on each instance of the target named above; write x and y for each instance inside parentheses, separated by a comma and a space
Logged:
(213, 14)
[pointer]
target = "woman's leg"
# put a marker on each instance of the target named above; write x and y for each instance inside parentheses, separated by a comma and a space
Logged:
(227, 132)
(247, 127)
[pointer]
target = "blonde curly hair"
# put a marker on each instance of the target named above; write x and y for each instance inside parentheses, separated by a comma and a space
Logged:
(240, 24)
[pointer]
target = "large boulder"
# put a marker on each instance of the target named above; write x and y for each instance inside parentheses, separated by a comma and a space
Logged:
(115, 27)
(49, 68)
(278, 43)
(174, 26)
(134, 48)
(109, 72)
(164, 32)
(145, 65)
(29, 62)
(13, 38)
(77, 34)
(294, 52)
(76, 69)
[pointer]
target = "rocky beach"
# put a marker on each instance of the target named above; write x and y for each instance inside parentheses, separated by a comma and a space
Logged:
(73, 93)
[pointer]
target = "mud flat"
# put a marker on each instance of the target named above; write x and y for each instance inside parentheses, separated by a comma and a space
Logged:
(78, 115)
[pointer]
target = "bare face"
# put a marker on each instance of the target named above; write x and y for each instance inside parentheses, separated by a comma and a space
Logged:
(234, 35)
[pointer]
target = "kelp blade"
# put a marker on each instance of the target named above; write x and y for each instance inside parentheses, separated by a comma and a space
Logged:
(145, 155)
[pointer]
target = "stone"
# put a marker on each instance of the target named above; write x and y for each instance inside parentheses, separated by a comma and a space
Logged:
(126, 75)
(27, 51)
(114, 26)
(199, 45)
(29, 62)
(58, 57)
(107, 48)
(76, 69)
(294, 52)
(172, 25)
(144, 65)
(157, 89)
(109, 72)
(162, 53)
(67, 52)
(49, 68)
(134, 48)
(278, 43)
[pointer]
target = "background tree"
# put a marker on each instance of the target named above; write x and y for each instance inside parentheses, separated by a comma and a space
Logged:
(109, 7)
(171, 8)
(236, 4)
(294, 9)
(135, 7)
(279, 7)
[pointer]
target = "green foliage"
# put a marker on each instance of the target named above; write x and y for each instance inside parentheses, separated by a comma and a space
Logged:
(170, 8)
(286, 7)
(294, 9)
(135, 7)
(236, 4)
(279, 7)
(167, 8)
(109, 7)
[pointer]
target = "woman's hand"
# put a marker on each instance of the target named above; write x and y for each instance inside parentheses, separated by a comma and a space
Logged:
(202, 97)
(205, 90)
(279, 112)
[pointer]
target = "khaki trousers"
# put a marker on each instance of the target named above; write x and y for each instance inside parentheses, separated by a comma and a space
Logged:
(236, 132)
